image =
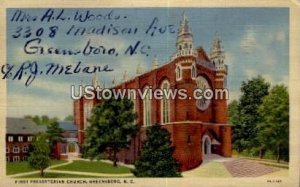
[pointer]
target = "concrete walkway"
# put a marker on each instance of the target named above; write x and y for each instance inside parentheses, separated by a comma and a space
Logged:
(217, 166)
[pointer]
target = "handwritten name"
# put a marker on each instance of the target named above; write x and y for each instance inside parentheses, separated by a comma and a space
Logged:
(29, 70)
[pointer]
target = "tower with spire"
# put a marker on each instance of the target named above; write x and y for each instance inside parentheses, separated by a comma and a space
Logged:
(95, 81)
(184, 44)
(217, 55)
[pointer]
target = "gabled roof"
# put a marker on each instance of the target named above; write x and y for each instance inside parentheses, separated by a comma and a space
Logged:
(22, 126)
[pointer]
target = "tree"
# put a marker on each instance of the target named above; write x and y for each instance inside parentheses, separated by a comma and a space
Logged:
(69, 118)
(54, 133)
(41, 120)
(253, 92)
(111, 128)
(39, 157)
(273, 131)
(235, 121)
(156, 158)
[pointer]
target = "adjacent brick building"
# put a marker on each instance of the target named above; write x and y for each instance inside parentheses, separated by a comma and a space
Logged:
(20, 133)
(197, 127)
(19, 136)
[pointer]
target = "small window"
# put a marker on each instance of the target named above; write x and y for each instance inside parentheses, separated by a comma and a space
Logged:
(25, 149)
(7, 150)
(16, 149)
(16, 158)
(20, 138)
(7, 159)
(10, 138)
(29, 138)
(185, 45)
(25, 158)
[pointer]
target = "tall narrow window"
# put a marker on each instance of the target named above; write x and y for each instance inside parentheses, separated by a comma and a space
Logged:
(165, 103)
(178, 73)
(193, 71)
(147, 107)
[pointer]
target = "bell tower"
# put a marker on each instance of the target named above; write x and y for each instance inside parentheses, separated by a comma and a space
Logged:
(184, 44)
(217, 57)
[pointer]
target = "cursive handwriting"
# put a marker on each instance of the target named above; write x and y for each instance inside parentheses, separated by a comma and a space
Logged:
(29, 70)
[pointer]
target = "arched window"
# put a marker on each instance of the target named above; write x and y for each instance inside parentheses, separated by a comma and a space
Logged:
(147, 107)
(193, 71)
(178, 73)
(185, 45)
(165, 103)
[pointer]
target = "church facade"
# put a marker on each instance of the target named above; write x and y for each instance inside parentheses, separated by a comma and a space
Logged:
(197, 127)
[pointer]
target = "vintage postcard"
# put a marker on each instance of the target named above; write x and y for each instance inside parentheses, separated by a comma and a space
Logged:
(150, 93)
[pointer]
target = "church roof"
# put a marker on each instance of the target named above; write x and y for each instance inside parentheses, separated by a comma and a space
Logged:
(67, 126)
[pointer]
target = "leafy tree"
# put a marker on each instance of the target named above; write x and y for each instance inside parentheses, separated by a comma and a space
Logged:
(253, 92)
(39, 157)
(273, 131)
(54, 133)
(111, 128)
(235, 121)
(41, 120)
(156, 158)
(69, 118)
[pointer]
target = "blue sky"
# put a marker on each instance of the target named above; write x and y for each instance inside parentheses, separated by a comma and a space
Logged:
(256, 42)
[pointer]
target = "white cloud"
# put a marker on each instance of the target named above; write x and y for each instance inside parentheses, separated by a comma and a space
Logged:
(250, 73)
(249, 40)
(234, 95)
(271, 79)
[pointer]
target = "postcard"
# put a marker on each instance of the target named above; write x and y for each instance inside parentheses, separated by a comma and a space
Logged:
(150, 93)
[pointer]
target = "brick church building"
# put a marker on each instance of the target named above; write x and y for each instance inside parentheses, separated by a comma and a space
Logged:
(198, 127)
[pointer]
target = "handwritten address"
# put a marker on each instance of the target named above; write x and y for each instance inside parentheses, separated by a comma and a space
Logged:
(105, 23)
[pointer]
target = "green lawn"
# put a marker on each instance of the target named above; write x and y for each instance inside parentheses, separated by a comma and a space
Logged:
(93, 166)
(57, 175)
(22, 167)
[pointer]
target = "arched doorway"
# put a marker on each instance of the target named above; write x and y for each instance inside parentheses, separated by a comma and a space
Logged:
(72, 148)
(206, 145)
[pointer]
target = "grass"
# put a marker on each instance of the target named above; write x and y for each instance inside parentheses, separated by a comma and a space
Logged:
(57, 175)
(94, 167)
(17, 167)
(22, 167)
